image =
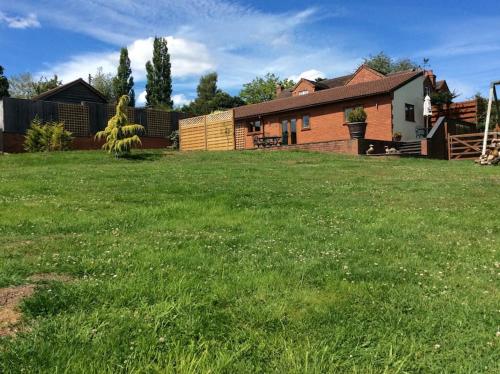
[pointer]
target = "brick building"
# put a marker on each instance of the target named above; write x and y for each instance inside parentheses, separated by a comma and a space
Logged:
(315, 112)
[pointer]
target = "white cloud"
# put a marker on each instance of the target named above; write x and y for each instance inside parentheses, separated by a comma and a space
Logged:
(188, 58)
(30, 21)
(238, 41)
(141, 99)
(308, 74)
(180, 100)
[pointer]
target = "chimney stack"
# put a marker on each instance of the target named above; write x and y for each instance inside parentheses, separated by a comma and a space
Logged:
(279, 89)
(432, 77)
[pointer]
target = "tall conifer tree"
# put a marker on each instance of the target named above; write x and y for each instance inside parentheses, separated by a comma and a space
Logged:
(4, 84)
(159, 76)
(123, 83)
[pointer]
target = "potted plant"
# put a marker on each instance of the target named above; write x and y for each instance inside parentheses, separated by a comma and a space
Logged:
(356, 121)
(397, 136)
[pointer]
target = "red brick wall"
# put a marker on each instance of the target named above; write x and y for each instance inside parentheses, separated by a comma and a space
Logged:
(364, 75)
(337, 146)
(13, 143)
(327, 122)
(303, 86)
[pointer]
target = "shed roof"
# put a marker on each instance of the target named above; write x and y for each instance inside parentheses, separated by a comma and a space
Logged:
(48, 94)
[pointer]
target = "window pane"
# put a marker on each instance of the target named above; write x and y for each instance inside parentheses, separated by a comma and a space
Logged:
(346, 113)
(305, 122)
(284, 132)
(293, 131)
(257, 125)
(410, 112)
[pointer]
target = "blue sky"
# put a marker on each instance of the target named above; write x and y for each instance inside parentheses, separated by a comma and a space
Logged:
(243, 39)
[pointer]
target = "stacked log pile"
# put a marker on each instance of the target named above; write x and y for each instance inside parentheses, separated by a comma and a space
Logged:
(492, 155)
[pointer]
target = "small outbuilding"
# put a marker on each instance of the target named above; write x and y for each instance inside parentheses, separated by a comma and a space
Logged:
(74, 92)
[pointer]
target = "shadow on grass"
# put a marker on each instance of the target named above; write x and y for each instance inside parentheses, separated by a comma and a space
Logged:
(143, 156)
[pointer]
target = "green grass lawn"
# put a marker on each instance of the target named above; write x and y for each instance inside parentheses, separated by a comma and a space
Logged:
(251, 262)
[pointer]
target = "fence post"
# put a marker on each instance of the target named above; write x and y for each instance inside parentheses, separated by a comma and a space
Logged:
(206, 132)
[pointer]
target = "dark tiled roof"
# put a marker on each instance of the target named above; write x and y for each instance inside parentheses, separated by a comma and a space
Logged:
(321, 85)
(441, 85)
(63, 87)
(285, 93)
(331, 95)
(336, 82)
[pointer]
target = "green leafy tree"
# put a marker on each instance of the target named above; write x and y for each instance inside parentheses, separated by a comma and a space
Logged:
(207, 88)
(120, 135)
(482, 109)
(223, 101)
(21, 86)
(45, 84)
(444, 97)
(103, 83)
(263, 88)
(4, 84)
(159, 76)
(210, 98)
(123, 83)
(385, 64)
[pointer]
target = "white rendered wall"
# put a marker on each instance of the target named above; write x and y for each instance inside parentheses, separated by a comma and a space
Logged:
(410, 93)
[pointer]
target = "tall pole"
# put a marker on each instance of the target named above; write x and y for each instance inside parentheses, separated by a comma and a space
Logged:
(488, 118)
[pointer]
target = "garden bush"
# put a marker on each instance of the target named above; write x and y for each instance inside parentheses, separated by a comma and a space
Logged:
(357, 115)
(47, 137)
(174, 138)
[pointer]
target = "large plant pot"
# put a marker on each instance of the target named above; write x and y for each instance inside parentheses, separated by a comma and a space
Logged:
(357, 130)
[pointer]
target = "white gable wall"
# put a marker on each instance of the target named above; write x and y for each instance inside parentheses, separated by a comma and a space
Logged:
(410, 93)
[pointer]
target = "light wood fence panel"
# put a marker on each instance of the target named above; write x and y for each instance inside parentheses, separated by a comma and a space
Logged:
(192, 134)
(214, 132)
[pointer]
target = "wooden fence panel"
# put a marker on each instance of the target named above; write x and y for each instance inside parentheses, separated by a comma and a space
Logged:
(83, 119)
(220, 131)
(214, 132)
(75, 118)
(192, 134)
(468, 145)
(464, 111)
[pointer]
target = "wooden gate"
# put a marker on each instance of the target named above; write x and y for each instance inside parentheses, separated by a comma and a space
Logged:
(467, 145)
(213, 132)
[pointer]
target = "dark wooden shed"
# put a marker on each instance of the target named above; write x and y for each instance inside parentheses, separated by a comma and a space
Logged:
(74, 92)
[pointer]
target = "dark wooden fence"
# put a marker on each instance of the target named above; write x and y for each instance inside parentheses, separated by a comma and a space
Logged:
(438, 138)
(83, 119)
(466, 111)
